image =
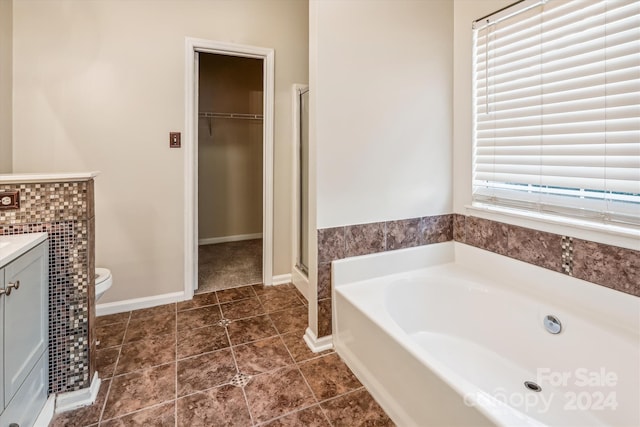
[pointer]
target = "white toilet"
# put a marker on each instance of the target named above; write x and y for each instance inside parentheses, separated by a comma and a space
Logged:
(103, 281)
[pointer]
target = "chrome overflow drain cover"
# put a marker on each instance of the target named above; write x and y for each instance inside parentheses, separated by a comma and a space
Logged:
(530, 385)
(552, 324)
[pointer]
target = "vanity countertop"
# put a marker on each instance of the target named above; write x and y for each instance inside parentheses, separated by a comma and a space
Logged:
(22, 178)
(11, 247)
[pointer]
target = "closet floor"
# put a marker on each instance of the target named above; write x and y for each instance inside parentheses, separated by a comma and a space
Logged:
(229, 265)
(228, 358)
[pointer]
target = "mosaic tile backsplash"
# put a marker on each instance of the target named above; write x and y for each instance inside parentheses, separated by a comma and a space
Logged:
(66, 212)
(611, 266)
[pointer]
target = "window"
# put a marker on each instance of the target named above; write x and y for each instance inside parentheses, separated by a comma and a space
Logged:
(557, 109)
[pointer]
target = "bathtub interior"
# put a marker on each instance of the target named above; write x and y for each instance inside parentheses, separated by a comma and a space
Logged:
(475, 318)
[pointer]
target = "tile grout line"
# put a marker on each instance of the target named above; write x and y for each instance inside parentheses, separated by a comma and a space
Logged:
(362, 387)
(175, 349)
(297, 365)
(235, 361)
(106, 398)
(155, 405)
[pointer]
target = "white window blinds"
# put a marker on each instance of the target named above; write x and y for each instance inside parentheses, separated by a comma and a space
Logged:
(557, 109)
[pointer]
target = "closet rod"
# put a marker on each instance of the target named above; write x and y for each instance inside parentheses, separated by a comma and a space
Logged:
(231, 116)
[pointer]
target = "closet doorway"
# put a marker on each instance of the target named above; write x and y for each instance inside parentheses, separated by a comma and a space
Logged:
(229, 159)
(230, 124)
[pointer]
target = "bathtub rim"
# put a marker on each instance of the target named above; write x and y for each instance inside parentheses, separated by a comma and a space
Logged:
(623, 310)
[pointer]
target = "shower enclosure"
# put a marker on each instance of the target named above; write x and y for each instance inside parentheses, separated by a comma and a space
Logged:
(302, 208)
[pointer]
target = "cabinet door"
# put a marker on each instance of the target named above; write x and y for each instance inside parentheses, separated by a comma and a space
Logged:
(2, 285)
(25, 317)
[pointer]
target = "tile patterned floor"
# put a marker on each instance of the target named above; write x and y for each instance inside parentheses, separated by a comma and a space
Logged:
(228, 358)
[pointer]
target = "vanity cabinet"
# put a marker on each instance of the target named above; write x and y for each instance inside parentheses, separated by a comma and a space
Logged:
(24, 329)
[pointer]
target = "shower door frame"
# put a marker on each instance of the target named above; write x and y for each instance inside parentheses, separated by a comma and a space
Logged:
(193, 46)
(299, 277)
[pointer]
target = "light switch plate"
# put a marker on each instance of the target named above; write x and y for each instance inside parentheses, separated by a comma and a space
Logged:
(9, 200)
(174, 139)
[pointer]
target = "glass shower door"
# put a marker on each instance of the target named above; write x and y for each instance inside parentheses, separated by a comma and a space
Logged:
(303, 196)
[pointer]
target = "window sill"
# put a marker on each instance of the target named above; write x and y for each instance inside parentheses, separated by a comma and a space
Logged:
(625, 237)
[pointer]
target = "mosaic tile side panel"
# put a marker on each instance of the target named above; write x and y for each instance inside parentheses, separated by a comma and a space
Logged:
(49, 202)
(91, 294)
(68, 301)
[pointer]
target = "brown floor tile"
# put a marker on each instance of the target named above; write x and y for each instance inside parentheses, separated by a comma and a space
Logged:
(192, 342)
(205, 371)
(83, 416)
(146, 327)
(355, 409)
(140, 389)
(276, 393)
(199, 317)
(262, 356)
(309, 417)
(301, 297)
(291, 319)
(261, 289)
(298, 348)
(110, 319)
(147, 353)
(251, 329)
(199, 300)
(222, 406)
(328, 376)
(235, 294)
(279, 299)
(244, 308)
(106, 361)
(166, 309)
(110, 335)
(157, 416)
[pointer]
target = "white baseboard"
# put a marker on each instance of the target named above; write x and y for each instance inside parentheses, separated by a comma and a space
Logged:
(46, 414)
(79, 398)
(316, 344)
(281, 279)
(301, 282)
(138, 303)
(155, 300)
(225, 239)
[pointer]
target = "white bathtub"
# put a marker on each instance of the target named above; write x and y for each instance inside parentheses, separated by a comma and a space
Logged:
(447, 334)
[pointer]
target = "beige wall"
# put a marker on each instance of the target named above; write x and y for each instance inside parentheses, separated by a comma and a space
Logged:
(382, 101)
(229, 150)
(380, 114)
(6, 91)
(98, 86)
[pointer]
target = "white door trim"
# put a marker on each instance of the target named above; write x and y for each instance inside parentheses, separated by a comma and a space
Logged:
(193, 45)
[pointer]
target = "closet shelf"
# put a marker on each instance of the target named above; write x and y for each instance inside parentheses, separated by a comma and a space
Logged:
(242, 116)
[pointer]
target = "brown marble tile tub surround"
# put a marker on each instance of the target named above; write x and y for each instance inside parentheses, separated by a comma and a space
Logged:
(607, 265)
(611, 266)
(288, 385)
(489, 235)
(363, 239)
(614, 267)
(66, 212)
